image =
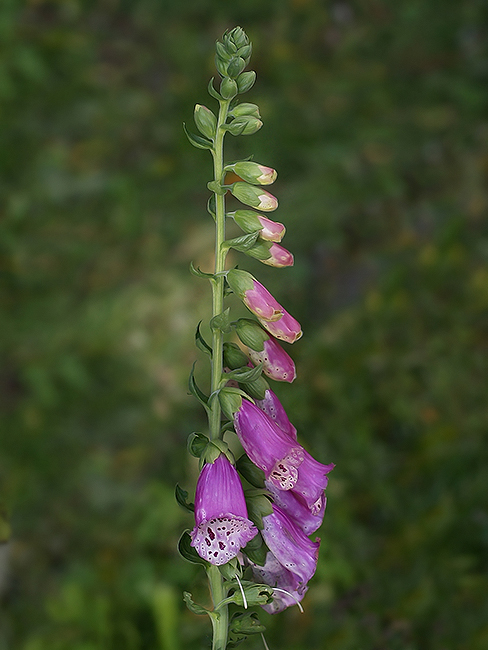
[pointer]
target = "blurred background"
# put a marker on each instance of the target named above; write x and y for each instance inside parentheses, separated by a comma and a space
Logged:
(376, 118)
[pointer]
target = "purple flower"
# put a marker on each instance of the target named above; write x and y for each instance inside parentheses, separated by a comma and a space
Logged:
(222, 526)
(285, 463)
(273, 408)
(291, 562)
(308, 519)
(277, 364)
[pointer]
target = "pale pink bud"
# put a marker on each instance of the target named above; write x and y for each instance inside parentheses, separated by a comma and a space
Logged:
(271, 230)
(279, 257)
(285, 328)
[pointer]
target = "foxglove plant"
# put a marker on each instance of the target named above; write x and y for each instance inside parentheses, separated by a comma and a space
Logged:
(253, 516)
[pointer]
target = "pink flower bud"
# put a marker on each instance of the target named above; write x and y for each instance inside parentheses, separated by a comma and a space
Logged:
(256, 297)
(279, 257)
(249, 222)
(254, 196)
(277, 364)
(285, 328)
(252, 172)
(272, 230)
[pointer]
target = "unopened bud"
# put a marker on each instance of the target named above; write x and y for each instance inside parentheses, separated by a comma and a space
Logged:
(245, 109)
(254, 196)
(251, 334)
(244, 125)
(245, 81)
(205, 120)
(235, 67)
(234, 357)
(254, 172)
(228, 88)
(249, 222)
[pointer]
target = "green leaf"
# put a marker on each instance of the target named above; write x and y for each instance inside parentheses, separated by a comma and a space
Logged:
(181, 496)
(211, 90)
(250, 472)
(245, 375)
(197, 140)
(221, 321)
(192, 606)
(194, 390)
(188, 552)
(196, 444)
(242, 243)
(201, 343)
(211, 205)
(199, 273)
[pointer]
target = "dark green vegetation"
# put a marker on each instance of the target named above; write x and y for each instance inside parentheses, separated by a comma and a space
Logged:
(375, 115)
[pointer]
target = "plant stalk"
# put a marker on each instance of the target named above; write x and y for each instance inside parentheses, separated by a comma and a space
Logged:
(220, 620)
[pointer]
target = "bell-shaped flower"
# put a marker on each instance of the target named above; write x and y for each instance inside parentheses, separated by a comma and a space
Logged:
(273, 408)
(254, 196)
(285, 463)
(292, 559)
(222, 526)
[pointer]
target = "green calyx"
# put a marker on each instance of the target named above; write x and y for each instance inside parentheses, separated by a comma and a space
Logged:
(251, 334)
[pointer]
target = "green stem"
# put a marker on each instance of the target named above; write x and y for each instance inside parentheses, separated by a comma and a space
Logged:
(220, 619)
(218, 280)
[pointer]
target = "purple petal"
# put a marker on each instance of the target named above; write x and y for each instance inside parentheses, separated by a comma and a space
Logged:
(312, 481)
(220, 539)
(297, 510)
(267, 445)
(290, 546)
(275, 575)
(273, 408)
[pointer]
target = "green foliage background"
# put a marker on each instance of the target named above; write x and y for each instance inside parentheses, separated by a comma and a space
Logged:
(375, 116)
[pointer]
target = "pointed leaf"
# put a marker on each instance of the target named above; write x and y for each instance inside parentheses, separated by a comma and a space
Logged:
(194, 390)
(201, 343)
(211, 90)
(221, 321)
(242, 243)
(192, 606)
(181, 496)
(245, 375)
(199, 273)
(197, 140)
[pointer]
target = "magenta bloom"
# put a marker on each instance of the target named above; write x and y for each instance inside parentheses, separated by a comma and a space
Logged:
(293, 558)
(285, 463)
(308, 519)
(222, 527)
(285, 328)
(277, 364)
(273, 408)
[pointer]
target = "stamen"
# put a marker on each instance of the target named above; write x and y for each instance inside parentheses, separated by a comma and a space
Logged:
(242, 592)
(264, 642)
(294, 598)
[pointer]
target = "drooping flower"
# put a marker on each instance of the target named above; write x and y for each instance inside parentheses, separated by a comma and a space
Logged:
(285, 463)
(291, 561)
(250, 221)
(222, 526)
